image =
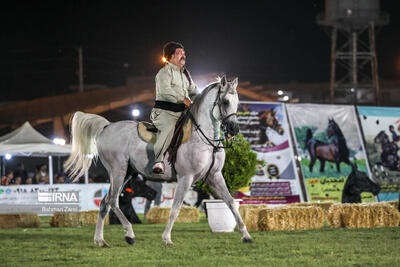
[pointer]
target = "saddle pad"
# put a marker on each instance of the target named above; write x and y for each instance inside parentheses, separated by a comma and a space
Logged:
(144, 134)
(151, 137)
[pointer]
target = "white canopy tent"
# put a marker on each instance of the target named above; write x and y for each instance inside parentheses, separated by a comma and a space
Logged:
(26, 141)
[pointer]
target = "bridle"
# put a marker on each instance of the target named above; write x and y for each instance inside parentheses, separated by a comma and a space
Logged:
(224, 120)
(218, 102)
(209, 141)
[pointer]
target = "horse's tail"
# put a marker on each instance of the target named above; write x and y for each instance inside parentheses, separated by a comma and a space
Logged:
(309, 135)
(84, 130)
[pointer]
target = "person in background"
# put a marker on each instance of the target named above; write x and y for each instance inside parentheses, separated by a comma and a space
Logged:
(59, 179)
(157, 186)
(28, 180)
(21, 172)
(7, 179)
(42, 176)
(395, 136)
(16, 181)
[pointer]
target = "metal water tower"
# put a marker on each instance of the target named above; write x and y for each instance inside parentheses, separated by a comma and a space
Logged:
(354, 69)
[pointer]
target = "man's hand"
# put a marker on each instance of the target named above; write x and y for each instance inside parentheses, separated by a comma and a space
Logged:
(187, 102)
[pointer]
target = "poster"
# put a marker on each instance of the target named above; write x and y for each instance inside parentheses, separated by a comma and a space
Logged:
(329, 148)
(381, 128)
(24, 198)
(265, 126)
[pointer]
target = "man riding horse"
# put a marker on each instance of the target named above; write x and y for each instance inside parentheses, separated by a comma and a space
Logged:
(174, 90)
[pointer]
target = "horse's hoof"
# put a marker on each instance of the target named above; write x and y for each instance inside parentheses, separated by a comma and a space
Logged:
(102, 244)
(169, 243)
(247, 240)
(130, 240)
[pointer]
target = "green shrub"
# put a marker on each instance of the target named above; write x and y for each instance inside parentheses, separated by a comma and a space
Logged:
(240, 166)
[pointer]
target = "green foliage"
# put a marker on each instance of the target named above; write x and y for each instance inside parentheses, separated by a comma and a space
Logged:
(240, 165)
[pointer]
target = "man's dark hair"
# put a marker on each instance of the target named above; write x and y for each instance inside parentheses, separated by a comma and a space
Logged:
(391, 127)
(169, 49)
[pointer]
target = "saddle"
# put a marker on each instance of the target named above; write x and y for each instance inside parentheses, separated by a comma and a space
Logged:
(148, 132)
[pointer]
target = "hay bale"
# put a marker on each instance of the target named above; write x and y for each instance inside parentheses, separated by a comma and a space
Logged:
(19, 220)
(363, 215)
(75, 219)
(250, 215)
(187, 214)
(393, 203)
(158, 215)
(290, 218)
(323, 205)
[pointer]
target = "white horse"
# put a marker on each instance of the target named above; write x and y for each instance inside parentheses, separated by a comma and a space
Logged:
(118, 146)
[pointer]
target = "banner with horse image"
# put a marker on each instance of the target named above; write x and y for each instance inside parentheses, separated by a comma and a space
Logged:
(381, 127)
(265, 126)
(331, 153)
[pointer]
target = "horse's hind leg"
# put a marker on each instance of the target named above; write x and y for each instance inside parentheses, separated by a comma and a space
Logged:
(312, 162)
(104, 209)
(322, 165)
(219, 186)
(117, 176)
(182, 187)
(352, 165)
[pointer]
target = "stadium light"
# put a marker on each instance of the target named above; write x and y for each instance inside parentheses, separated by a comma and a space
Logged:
(8, 156)
(135, 112)
(163, 59)
(284, 98)
(59, 141)
(280, 92)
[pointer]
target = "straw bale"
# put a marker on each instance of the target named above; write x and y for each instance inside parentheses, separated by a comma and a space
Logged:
(363, 215)
(187, 214)
(19, 220)
(323, 205)
(75, 219)
(250, 215)
(290, 218)
(393, 203)
(244, 208)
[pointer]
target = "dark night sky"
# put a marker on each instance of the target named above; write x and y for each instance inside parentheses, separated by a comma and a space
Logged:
(260, 41)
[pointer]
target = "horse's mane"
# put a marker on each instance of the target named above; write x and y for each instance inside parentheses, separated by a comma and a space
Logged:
(337, 128)
(200, 98)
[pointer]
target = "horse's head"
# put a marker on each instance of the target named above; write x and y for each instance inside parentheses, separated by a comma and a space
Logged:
(273, 122)
(227, 102)
(381, 138)
(360, 182)
(333, 128)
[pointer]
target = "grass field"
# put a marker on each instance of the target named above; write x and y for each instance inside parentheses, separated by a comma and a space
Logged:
(330, 168)
(196, 245)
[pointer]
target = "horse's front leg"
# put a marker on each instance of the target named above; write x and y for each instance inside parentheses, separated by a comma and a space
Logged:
(182, 187)
(338, 165)
(218, 184)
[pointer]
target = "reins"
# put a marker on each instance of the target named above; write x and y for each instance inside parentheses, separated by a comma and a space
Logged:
(209, 141)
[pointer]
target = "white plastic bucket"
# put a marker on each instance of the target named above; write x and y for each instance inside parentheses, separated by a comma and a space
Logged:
(220, 217)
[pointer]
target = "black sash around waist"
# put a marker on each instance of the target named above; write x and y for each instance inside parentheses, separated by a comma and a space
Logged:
(170, 106)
